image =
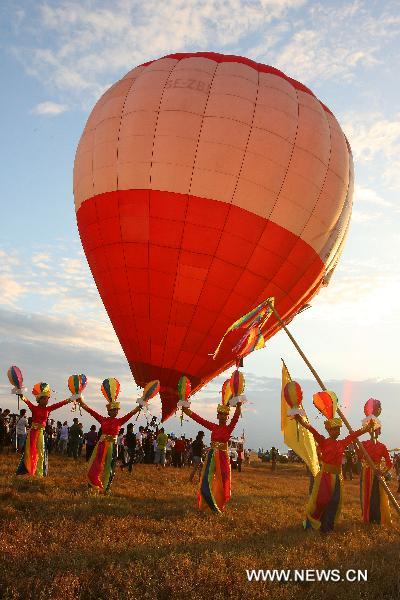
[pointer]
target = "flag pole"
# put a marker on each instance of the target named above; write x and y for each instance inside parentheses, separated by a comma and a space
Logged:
(342, 416)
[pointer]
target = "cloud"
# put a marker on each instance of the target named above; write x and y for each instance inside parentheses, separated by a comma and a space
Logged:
(371, 134)
(332, 41)
(49, 108)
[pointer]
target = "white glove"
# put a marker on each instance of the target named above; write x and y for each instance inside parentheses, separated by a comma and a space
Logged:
(18, 391)
(377, 423)
(235, 399)
(142, 402)
(183, 404)
(296, 411)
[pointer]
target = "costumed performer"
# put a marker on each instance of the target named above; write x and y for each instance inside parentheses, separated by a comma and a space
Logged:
(374, 501)
(34, 459)
(215, 483)
(103, 460)
(325, 503)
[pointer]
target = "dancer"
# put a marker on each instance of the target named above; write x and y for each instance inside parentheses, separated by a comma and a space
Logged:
(374, 501)
(325, 503)
(34, 459)
(215, 485)
(103, 460)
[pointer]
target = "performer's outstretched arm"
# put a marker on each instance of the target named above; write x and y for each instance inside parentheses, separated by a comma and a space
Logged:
(27, 402)
(207, 424)
(317, 436)
(355, 434)
(59, 404)
(235, 417)
(128, 415)
(92, 412)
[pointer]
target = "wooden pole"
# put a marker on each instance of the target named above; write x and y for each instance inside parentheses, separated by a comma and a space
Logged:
(367, 457)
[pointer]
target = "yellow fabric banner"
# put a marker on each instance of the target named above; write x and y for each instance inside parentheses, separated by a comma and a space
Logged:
(294, 435)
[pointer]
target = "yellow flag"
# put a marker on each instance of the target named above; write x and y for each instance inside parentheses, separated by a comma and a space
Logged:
(295, 436)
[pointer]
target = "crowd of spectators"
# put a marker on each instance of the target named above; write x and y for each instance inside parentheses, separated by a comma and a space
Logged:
(149, 445)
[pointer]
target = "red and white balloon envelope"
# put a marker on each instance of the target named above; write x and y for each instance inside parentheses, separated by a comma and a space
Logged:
(204, 184)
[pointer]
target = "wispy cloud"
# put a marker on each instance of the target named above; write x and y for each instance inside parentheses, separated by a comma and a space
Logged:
(49, 108)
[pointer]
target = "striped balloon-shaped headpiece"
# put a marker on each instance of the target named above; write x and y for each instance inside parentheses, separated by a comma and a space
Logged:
(110, 389)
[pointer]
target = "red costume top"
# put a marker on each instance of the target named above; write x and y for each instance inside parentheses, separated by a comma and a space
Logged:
(377, 451)
(331, 451)
(40, 414)
(109, 425)
(219, 433)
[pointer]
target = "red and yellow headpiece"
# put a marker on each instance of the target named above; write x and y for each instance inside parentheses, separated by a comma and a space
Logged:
(41, 389)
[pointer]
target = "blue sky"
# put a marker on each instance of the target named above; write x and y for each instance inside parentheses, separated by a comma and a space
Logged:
(58, 57)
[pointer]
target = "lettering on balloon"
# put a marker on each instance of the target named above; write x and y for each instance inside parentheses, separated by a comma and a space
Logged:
(191, 84)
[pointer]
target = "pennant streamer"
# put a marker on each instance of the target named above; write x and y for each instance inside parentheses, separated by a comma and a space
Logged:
(253, 322)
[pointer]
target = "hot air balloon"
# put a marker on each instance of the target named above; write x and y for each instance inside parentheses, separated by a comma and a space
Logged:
(204, 184)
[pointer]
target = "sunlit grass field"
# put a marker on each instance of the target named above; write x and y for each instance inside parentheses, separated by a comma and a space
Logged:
(147, 540)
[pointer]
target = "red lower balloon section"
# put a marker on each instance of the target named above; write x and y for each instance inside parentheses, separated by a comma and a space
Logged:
(175, 271)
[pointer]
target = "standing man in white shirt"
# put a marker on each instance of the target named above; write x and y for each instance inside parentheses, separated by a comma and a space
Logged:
(64, 438)
(21, 426)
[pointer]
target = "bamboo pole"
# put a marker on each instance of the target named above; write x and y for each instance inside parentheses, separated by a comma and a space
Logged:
(367, 457)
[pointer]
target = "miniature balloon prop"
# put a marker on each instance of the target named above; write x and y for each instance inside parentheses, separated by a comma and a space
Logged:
(237, 385)
(372, 410)
(184, 390)
(150, 390)
(326, 402)
(243, 183)
(76, 385)
(226, 392)
(294, 396)
(15, 378)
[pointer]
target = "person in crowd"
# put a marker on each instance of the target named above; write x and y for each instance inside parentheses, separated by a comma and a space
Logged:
(161, 444)
(74, 438)
(4, 429)
(273, 458)
(240, 457)
(90, 441)
(140, 436)
(130, 445)
(64, 438)
(197, 455)
(121, 447)
(169, 450)
(21, 429)
(179, 450)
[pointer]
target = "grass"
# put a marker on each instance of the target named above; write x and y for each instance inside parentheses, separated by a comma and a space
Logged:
(148, 541)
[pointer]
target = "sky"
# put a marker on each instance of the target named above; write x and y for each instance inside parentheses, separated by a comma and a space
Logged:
(58, 57)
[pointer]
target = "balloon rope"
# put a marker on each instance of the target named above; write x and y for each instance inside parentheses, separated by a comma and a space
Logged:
(341, 415)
